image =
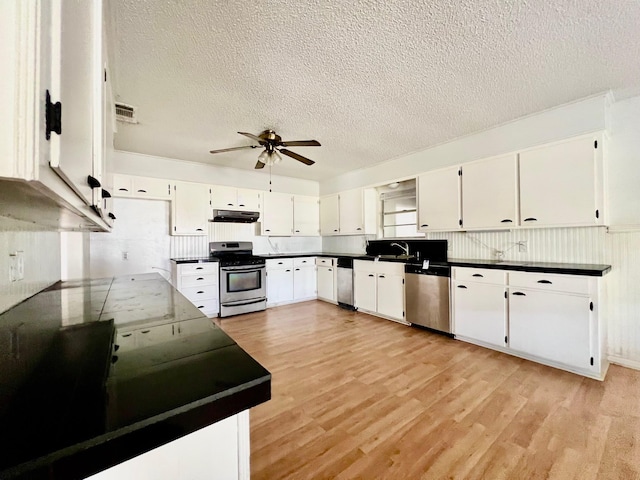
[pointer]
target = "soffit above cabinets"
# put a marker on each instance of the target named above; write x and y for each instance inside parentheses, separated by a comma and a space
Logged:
(371, 80)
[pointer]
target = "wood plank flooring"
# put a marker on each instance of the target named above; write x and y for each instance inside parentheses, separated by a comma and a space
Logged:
(355, 396)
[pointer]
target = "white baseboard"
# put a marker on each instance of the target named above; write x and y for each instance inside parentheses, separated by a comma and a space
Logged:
(625, 362)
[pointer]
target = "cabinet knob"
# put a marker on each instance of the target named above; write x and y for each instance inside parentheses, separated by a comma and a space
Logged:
(530, 219)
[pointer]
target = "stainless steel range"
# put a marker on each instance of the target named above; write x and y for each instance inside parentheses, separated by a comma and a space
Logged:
(243, 287)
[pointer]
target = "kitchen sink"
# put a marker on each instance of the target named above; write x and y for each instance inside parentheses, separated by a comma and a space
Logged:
(396, 258)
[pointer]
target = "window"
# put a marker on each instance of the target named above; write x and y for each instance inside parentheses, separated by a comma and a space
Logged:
(399, 214)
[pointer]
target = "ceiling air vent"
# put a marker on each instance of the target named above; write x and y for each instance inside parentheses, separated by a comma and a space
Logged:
(126, 113)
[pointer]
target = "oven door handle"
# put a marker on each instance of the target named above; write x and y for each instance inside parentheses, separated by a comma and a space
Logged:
(243, 302)
(241, 270)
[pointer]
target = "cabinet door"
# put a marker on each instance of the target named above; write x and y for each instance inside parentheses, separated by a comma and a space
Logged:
(249, 200)
(279, 286)
(278, 214)
(190, 208)
(489, 197)
(551, 326)
(557, 184)
(304, 282)
(439, 200)
(77, 76)
(480, 312)
(329, 216)
(225, 198)
(351, 212)
(145, 187)
(364, 286)
(326, 283)
(391, 296)
(306, 216)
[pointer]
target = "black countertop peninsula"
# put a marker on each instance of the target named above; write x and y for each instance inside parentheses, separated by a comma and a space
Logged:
(73, 402)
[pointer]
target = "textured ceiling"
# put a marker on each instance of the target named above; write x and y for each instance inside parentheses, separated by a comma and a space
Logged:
(371, 80)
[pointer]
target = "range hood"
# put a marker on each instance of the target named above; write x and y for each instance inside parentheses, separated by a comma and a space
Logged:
(234, 216)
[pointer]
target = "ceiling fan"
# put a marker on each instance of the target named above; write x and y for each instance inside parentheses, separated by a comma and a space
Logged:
(273, 143)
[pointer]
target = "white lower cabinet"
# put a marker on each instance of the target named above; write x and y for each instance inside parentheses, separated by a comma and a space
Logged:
(290, 280)
(379, 288)
(199, 282)
(548, 318)
(326, 278)
(480, 312)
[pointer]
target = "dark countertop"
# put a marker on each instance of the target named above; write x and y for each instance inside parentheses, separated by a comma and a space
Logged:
(541, 267)
(194, 260)
(72, 405)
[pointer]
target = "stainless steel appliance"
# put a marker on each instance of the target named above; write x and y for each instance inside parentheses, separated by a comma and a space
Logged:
(345, 283)
(427, 295)
(243, 286)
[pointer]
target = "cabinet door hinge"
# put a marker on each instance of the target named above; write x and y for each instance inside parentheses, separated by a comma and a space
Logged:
(595, 144)
(52, 116)
(505, 339)
(93, 182)
(591, 361)
(105, 74)
(403, 313)
(597, 214)
(174, 229)
(460, 222)
(403, 281)
(591, 306)
(459, 172)
(505, 294)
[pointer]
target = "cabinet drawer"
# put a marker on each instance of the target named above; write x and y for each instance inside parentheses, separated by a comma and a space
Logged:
(389, 268)
(200, 292)
(325, 262)
(303, 261)
(549, 281)
(203, 279)
(273, 263)
(193, 268)
(208, 306)
(481, 275)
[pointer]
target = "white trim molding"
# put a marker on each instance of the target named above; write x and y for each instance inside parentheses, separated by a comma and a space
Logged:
(624, 362)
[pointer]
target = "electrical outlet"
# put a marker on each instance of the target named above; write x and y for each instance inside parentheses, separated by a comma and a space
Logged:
(16, 266)
(522, 246)
(125, 255)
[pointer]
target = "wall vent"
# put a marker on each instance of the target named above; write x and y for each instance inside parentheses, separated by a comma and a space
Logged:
(126, 113)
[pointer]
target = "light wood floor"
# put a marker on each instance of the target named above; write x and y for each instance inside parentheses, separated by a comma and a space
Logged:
(355, 396)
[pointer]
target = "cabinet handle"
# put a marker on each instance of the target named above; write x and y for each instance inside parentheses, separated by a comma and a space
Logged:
(199, 291)
(335, 230)
(112, 216)
(520, 294)
(145, 331)
(478, 275)
(229, 204)
(199, 268)
(424, 225)
(267, 230)
(330, 270)
(199, 230)
(142, 191)
(548, 282)
(241, 205)
(201, 306)
(125, 335)
(123, 189)
(381, 276)
(200, 278)
(279, 263)
(93, 182)
(358, 228)
(114, 359)
(297, 231)
(297, 269)
(461, 286)
(287, 270)
(530, 219)
(506, 220)
(371, 275)
(304, 261)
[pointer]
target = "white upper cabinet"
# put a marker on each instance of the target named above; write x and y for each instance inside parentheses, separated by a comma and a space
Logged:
(351, 208)
(77, 82)
(277, 218)
(306, 216)
(561, 184)
(439, 200)
(190, 209)
(489, 193)
(141, 187)
(329, 216)
(231, 198)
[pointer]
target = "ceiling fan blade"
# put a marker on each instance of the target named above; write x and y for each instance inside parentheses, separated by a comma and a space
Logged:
(300, 158)
(259, 165)
(232, 149)
(301, 143)
(252, 137)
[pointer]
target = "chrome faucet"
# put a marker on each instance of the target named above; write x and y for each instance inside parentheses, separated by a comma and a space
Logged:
(405, 247)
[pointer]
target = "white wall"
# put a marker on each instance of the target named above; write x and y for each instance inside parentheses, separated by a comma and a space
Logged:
(562, 122)
(74, 251)
(161, 167)
(41, 253)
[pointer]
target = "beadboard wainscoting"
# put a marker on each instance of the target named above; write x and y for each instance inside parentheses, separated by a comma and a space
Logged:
(220, 232)
(41, 255)
(346, 243)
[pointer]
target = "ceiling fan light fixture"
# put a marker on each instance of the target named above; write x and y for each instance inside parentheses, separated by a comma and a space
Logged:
(264, 157)
(269, 158)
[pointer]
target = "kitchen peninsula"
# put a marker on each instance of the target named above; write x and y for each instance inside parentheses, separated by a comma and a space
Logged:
(94, 373)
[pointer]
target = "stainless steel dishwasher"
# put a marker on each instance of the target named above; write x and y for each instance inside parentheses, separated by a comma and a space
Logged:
(427, 296)
(345, 283)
